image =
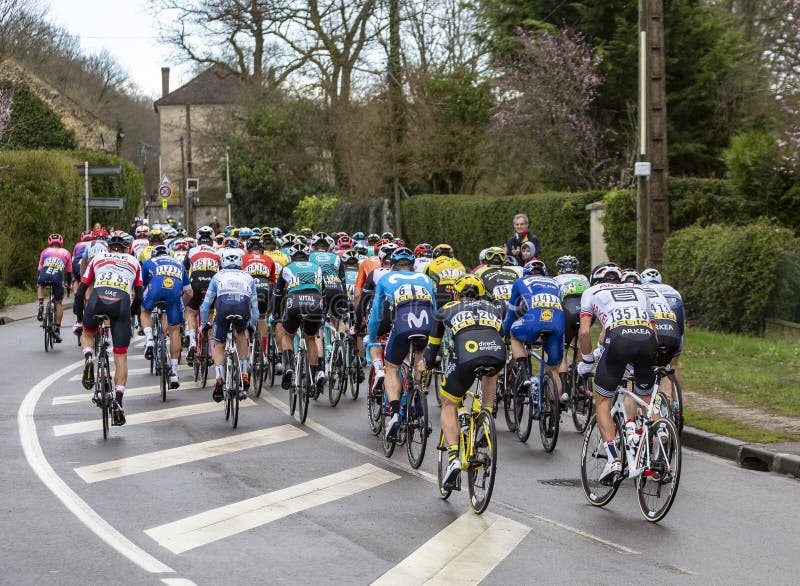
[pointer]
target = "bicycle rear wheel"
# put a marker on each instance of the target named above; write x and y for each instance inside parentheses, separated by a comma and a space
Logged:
(272, 356)
(441, 466)
(304, 389)
(163, 361)
(387, 444)
(234, 392)
(101, 387)
(582, 402)
(355, 370)
(523, 412)
(49, 322)
(418, 430)
(483, 463)
(204, 364)
(337, 378)
(676, 405)
(550, 415)
(658, 484)
(257, 370)
(593, 461)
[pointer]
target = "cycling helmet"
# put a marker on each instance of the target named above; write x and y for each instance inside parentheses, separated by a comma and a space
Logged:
(470, 286)
(231, 258)
(423, 249)
(159, 250)
(86, 236)
(228, 230)
(385, 252)
(443, 250)
(494, 256)
(245, 234)
(400, 242)
(306, 232)
(607, 272)
(117, 240)
(277, 232)
(387, 236)
(297, 250)
(141, 231)
(350, 257)
(567, 264)
(171, 232)
(535, 266)
(254, 242)
(257, 231)
(267, 238)
(301, 239)
(402, 254)
(320, 239)
(180, 244)
(190, 241)
(155, 236)
(651, 276)
(181, 232)
(358, 236)
(345, 242)
(361, 250)
(230, 242)
(55, 240)
(631, 276)
(219, 238)
(289, 238)
(373, 239)
(100, 234)
(205, 233)
(234, 232)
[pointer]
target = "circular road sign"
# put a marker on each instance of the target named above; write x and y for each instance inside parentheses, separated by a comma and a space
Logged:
(165, 191)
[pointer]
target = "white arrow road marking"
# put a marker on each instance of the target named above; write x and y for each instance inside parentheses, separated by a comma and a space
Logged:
(216, 524)
(133, 371)
(129, 392)
(188, 453)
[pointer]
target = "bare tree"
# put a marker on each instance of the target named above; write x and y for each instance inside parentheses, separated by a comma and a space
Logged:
(19, 21)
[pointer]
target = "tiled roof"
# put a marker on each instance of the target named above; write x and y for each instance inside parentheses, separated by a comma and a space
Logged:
(215, 85)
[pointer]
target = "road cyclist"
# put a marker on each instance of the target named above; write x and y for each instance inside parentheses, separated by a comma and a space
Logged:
(55, 271)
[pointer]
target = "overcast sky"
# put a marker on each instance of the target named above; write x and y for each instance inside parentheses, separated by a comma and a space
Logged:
(127, 31)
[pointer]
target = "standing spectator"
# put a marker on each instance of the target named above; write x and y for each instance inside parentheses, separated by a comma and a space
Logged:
(521, 235)
(215, 225)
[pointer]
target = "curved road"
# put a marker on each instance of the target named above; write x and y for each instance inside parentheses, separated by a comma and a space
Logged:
(178, 497)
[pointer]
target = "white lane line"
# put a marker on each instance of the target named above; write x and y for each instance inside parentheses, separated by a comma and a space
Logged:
(268, 397)
(216, 524)
(129, 392)
(178, 582)
(76, 505)
(146, 417)
(188, 453)
(464, 552)
(132, 371)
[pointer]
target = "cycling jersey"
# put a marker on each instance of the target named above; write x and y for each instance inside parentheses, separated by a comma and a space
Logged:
(670, 338)
(166, 280)
(233, 292)
(298, 295)
(93, 248)
(138, 245)
(262, 269)
(299, 276)
(55, 263)
(572, 284)
(77, 255)
(625, 312)
(202, 263)
(572, 287)
(420, 263)
(279, 258)
(475, 325)
(350, 282)
(535, 309)
(113, 271)
(674, 299)
(498, 282)
(445, 271)
(368, 265)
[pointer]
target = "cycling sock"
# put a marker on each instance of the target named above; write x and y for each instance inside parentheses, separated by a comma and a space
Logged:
(394, 407)
(288, 359)
(611, 451)
(148, 334)
(174, 362)
(87, 352)
(243, 365)
(377, 364)
(218, 370)
(118, 396)
(192, 338)
(320, 362)
(452, 452)
(41, 300)
(563, 377)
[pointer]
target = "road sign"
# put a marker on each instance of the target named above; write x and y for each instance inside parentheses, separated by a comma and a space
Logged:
(164, 203)
(192, 184)
(106, 203)
(165, 191)
(100, 170)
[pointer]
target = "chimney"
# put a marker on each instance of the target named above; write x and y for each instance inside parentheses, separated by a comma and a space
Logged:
(164, 81)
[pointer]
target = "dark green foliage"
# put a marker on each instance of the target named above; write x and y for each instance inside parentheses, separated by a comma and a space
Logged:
(39, 194)
(733, 277)
(34, 125)
(619, 226)
(470, 223)
(128, 186)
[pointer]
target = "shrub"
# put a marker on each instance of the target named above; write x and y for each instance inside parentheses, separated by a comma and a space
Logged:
(39, 193)
(732, 279)
(127, 186)
(314, 211)
(471, 223)
(353, 217)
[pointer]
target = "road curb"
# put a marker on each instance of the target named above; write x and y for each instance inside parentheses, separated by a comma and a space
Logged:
(750, 456)
(6, 319)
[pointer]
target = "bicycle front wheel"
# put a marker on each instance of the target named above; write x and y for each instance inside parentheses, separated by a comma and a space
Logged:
(163, 361)
(593, 461)
(258, 366)
(523, 412)
(550, 415)
(355, 371)
(234, 392)
(483, 463)
(101, 388)
(387, 444)
(303, 389)
(657, 486)
(673, 389)
(204, 357)
(374, 405)
(418, 430)
(441, 466)
(336, 376)
(582, 402)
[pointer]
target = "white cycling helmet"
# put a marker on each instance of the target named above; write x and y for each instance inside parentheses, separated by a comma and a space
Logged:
(231, 258)
(651, 276)
(606, 272)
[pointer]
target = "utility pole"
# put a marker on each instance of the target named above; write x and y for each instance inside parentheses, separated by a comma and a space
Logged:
(395, 106)
(652, 203)
(183, 190)
(228, 194)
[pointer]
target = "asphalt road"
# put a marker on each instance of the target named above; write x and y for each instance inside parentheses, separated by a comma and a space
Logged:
(195, 502)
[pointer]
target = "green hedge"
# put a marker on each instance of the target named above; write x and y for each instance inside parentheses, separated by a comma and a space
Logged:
(470, 223)
(39, 193)
(732, 278)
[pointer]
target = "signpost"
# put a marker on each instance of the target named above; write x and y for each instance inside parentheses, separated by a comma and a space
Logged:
(165, 191)
(106, 203)
(97, 171)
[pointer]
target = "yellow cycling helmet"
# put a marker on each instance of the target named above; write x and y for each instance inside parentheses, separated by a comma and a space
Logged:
(494, 256)
(443, 250)
(234, 233)
(155, 236)
(470, 286)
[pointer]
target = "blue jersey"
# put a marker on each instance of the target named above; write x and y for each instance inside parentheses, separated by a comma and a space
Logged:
(536, 298)
(399, 289)
(165, 272)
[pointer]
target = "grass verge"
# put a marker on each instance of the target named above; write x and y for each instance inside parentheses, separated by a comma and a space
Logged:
(18, 295)
(735, 429)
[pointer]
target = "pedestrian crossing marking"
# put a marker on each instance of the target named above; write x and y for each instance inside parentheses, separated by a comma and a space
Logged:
(133, 371)
(177, 582)
(188, 453)
(129, 392)
(210, 526)
(464, 552)
(146, 417)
